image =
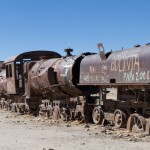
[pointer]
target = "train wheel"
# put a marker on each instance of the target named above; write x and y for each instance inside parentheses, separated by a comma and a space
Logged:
(97, 115)
(136, 123)
(119, 118)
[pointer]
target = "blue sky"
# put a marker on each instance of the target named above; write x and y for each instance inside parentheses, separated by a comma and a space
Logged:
(27, 25)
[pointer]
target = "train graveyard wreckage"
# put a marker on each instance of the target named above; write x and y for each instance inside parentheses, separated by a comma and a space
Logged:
(102, 88)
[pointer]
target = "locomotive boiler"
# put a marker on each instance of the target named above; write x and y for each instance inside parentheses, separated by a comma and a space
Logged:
(127, 68)
(56, 78)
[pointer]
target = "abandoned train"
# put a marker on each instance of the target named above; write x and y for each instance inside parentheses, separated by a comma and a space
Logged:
(112, 87)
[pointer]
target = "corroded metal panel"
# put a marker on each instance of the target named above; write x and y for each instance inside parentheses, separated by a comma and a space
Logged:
(93, 70)
(11, 86)
(3, 81)
(123, 67)
(131, 65)
(55, 77)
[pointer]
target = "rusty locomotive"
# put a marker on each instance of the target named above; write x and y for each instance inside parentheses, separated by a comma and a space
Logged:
(105, 87)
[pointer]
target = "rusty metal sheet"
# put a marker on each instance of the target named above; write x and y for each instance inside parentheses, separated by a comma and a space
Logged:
(130, 66)
(56, 77)
(93, 70)
(3, 81)
(123, 67)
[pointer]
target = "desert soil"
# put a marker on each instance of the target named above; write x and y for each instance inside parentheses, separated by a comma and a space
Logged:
(24, 132)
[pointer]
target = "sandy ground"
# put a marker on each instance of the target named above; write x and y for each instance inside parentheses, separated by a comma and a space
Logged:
(30, 133)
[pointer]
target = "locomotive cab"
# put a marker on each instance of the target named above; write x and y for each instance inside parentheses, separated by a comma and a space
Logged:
(15, 71)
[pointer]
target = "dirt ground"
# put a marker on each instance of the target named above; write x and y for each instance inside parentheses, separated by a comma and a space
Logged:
(33, 133)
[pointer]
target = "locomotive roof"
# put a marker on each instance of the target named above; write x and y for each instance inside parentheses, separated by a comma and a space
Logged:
(33, 55)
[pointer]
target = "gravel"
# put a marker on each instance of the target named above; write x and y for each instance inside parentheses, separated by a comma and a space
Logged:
(24, 132)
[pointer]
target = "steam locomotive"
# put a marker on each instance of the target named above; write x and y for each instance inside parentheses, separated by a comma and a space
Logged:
(104, 87)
